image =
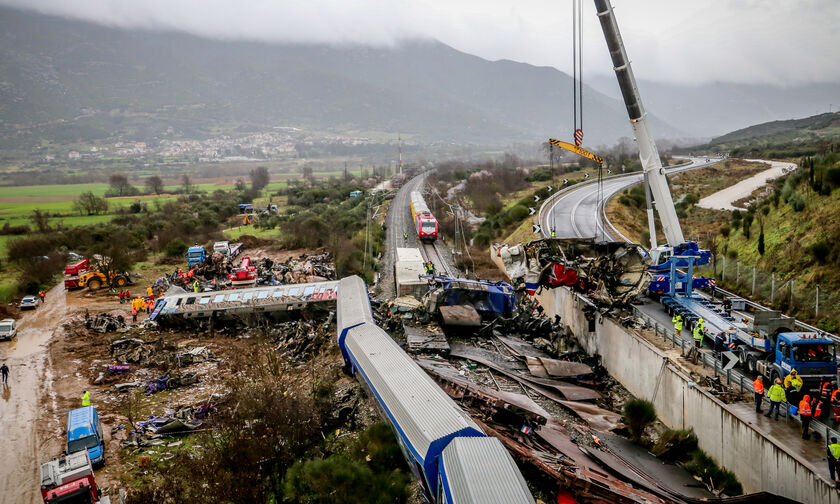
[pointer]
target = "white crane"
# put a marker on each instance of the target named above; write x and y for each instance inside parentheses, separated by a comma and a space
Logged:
(648, 153)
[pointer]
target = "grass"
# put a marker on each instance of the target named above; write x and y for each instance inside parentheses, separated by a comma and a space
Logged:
(266, 234)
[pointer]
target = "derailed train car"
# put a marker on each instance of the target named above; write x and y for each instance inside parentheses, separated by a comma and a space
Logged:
(452, 458)
(612, 273)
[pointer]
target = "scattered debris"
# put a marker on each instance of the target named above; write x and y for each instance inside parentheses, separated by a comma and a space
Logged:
(424, 339)
(105, 322)
(612, 273)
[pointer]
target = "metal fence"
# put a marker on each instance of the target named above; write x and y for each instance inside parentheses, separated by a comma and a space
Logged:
(734, 378)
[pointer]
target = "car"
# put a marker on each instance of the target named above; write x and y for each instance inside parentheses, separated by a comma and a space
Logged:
(28, 303)
(8, 329)
(74, 257)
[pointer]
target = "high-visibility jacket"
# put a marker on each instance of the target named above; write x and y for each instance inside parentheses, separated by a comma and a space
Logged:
(825, 390)
(86, 398)
(149, 291)
(698, 333)
(835, 398)
(797, 383)
(805, 407)
(818, 410)
(834, 449)
(776, 393)
(678, 323)
(758, 385)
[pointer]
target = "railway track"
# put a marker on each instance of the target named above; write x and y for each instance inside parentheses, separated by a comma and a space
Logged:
(431, 253)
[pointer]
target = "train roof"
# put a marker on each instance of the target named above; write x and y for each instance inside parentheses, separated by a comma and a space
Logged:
(481, 471)
(267, 298)
(354, 308)
(414, 402)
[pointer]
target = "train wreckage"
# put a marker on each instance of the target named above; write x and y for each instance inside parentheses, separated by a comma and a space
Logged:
(611, 273)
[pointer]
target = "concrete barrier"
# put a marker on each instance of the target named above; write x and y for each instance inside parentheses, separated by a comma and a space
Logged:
(758, 461)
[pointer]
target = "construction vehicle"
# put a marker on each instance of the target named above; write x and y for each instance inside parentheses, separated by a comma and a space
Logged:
(195, 255)
(95, 280)
(655, 182)
(72, 273)
(249, 219)
(767, 345)
(246, 208)
(69, 479)
(244, 275)
(227, 249)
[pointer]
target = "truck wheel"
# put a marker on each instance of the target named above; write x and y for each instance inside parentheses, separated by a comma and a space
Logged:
(94, 284)
(751, 363)
(774, 376)
(121, 281)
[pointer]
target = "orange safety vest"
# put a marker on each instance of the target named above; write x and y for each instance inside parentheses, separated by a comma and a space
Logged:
(835, 397)
(804, 407)
(818, 410)
(758, 386)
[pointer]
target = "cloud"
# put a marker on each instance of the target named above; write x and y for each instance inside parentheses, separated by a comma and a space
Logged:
(746, 41)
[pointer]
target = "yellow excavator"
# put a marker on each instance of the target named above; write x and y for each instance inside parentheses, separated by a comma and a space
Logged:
(95, 280)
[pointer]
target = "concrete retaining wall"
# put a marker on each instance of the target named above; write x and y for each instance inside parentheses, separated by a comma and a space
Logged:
(757, 460)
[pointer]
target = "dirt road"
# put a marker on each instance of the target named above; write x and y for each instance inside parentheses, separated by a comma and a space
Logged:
(723, 199)
(21, 436)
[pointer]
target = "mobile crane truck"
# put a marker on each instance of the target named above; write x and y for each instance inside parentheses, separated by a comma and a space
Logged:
(768, 345)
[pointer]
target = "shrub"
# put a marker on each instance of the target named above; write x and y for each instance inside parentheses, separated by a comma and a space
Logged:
(820, 251)
(725, 231)
(342, 481)
(518, 212)
(675, 445)
(639, 413)
(797, 202)
(175, 248)
(708, 471)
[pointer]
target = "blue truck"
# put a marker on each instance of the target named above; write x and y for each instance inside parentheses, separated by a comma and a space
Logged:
(84, 432)
(195, 255)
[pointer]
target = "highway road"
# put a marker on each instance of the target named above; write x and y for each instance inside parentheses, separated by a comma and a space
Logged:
(576, 213)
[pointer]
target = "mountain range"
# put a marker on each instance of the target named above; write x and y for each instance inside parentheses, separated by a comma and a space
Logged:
(68, 80)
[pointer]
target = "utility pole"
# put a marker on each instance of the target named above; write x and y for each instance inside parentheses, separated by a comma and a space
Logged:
(399, 143)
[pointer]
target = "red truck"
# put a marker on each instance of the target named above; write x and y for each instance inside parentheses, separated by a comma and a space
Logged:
(72, 272)
(69, 480)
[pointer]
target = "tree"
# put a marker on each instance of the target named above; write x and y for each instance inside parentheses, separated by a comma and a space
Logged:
(259, 177)
(120, 186)
(639, 413)
(41, 220)
(239, 185)
(90, 204)
(307, 171)
(186, 183)
(761, 241)
(154, 184)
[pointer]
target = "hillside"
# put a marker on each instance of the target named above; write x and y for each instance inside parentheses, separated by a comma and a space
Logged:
(789, 138)
(66, 80)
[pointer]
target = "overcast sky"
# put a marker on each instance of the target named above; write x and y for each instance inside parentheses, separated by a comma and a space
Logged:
(747, 41)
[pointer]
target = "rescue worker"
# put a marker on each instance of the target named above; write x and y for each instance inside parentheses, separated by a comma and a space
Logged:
(195, 285)
(833, 456)
(758, 390)
(719, 340)
(43, 296)
(678, 323)
(835, 406)
(405, 236)
(553, 233)
(4, 373)
(825, 391)
(776, 395)
(86, 398)
(431, 268)
(805, 415)
(698, 339)
(820, 410)
(122, 297)
(793, 384)
(149, 305)
(149, 291)
(727, 306)
(134, 313)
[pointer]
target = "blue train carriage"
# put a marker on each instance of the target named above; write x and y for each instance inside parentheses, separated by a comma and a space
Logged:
(479, 470)
(425, 419)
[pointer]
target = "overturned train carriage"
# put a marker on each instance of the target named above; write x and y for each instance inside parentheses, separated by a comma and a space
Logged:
(613, 273)
(271, 302)
(447, 451)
